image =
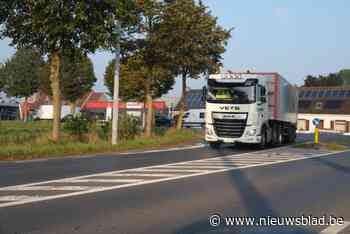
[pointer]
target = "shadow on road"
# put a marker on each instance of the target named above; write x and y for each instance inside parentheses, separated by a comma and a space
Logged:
(335, 166)
(254, 204)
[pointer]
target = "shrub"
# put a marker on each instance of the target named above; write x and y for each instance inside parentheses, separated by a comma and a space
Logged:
(77, 126)
(129, 126)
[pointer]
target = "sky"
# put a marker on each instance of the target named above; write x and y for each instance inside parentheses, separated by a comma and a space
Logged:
(292, 37)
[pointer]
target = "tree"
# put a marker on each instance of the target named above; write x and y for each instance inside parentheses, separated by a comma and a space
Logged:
(2, 77)
(134, 80)
(21, 75)
(76, 77)
(144, 69)
(195, 42)
(56, 26)
(332, 79)
(130, 86)
(345, 76)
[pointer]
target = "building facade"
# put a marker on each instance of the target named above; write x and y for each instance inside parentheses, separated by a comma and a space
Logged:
(329, 104)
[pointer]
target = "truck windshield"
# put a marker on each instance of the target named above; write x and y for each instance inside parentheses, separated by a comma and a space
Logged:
(232, 95)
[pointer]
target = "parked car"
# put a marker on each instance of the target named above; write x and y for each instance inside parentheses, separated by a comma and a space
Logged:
(163, 121)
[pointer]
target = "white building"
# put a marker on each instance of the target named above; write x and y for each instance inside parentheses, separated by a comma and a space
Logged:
(329, 104)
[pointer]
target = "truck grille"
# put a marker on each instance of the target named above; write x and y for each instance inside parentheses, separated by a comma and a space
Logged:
(231, 128)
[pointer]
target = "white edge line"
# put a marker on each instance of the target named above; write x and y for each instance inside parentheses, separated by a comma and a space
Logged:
(111, 154)
(165, 150)
(159, 180)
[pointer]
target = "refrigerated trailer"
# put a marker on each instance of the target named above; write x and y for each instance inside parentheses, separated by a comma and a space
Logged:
(251, 108)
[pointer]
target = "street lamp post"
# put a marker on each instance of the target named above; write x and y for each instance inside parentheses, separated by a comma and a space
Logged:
(116, 91)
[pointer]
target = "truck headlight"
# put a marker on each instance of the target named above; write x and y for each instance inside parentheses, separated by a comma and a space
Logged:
(251, 132)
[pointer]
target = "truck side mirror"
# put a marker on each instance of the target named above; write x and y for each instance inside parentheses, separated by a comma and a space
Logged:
(204, 93)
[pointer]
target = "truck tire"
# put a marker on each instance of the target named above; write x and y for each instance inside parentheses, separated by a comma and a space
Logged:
(214, 145)
(263, 142)
(292, 135)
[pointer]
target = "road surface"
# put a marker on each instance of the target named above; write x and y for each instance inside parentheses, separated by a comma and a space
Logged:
(176, 192)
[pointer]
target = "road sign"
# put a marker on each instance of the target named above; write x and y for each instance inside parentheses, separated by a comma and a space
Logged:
(316, 122)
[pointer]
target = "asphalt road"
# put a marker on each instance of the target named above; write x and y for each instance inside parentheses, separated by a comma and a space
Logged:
(41, 170)
(283, 185)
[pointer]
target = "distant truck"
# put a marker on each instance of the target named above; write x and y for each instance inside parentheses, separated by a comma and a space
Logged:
(194, 118)
(251, 108)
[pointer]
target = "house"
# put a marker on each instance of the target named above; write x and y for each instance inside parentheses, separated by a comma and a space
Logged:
(330, 104)
(97, 105)
(40, 107)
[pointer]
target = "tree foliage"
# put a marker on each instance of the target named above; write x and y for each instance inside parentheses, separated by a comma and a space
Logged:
(21, 73)
(2, 77)
(133, 77)
(76, 77)
(345, 76)
(59, 26)
(144, 71)
(332, 79)
(195, 41)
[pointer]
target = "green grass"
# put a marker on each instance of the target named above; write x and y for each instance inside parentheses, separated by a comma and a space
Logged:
(332, 146)
(22, 141)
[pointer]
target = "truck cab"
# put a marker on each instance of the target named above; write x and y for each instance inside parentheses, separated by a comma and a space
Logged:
(242, 109)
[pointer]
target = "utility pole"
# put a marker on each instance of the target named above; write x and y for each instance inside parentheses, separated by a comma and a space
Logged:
(116, 90)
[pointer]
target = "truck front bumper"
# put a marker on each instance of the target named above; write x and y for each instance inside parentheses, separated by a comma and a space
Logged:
(247, 137)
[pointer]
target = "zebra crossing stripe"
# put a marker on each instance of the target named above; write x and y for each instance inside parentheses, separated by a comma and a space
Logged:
(107, 181)
(16, 198)
(50, 188)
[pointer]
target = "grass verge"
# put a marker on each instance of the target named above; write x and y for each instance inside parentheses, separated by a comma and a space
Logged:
(331, 146)
(34, 151)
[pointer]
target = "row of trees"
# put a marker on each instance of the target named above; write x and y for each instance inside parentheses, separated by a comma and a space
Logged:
(160, 40)
(26, 73)
(333, 79)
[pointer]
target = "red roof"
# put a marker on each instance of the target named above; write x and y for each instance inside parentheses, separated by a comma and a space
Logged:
(158, 105)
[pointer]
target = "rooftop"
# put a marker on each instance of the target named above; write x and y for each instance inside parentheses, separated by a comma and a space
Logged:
(325, 100)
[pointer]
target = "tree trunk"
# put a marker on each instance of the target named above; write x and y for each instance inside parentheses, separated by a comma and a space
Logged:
(56, 95)
(25, 110)
(182, 104)
(149, 116)
(73, 107)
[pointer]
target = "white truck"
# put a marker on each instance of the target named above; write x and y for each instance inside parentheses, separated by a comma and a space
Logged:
(251, 108)
(194, 118)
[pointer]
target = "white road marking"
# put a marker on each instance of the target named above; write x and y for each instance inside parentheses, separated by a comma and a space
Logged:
(153, 172)
(163, 169)
(107, 181)
(50, 188)
(166, 150)
(198, 166)
(121, 154)
(117, 174)
(15, 198)
(208, 164)
(335, 229)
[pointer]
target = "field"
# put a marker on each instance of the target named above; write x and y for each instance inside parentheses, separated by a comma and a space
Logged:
(20, 141)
